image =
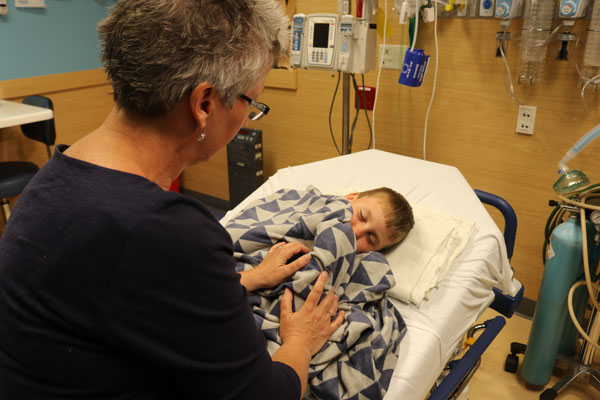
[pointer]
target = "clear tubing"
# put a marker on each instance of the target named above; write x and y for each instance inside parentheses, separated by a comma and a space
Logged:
(536, 32)
(591, 54)
(580, 145)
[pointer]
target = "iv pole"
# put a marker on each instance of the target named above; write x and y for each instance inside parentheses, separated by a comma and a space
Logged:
(368, 9)
(345, 7)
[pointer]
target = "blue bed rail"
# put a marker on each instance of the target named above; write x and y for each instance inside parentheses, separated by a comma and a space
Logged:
(461, 370)
(504, 304)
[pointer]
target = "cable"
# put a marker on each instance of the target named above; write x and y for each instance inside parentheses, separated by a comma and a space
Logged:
(379, 73)
(586, 264)
(585, 81)
(555, 216)
(364, 101)
(585, 105)
(511, 92)
(351, 138)
(586, 261)
(579, 200)
(574, 317)
(371, 136)
(416, 25)
(434, 77)
(331, 111)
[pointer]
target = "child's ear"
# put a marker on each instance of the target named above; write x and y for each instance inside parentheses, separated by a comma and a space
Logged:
(351, 196)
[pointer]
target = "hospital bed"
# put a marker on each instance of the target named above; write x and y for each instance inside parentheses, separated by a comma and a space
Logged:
(478, 277)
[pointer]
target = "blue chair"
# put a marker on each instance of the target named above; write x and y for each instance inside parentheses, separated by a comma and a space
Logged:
(14, 175)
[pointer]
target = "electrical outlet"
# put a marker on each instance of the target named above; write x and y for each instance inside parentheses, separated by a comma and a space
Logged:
(526, 119)
(392, 56)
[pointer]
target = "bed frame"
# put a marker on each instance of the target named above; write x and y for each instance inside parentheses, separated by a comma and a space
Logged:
(418, 371)
(463, 369)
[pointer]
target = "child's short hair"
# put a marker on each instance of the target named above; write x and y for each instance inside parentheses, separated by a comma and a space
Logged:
(397, 212)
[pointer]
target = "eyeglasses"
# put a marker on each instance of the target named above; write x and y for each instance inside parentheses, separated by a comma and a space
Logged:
(257, 109)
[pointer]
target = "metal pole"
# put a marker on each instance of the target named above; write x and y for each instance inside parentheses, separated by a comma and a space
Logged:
(345, 6)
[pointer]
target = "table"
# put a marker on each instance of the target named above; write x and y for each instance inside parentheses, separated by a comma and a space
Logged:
(13, 114)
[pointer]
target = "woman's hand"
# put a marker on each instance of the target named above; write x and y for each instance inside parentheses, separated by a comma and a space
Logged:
(314, 323)
(274, 268)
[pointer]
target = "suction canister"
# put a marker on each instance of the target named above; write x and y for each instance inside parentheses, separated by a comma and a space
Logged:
(564, 264)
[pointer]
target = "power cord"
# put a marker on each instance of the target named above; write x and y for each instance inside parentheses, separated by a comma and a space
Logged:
(434, 76)
(364, 102)
(379, 73)
(337, 85)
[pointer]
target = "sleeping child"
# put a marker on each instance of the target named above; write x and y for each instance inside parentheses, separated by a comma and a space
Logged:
(381, 218)
(343, 233)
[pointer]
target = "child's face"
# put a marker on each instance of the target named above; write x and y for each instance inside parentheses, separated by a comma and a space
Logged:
(368, 224)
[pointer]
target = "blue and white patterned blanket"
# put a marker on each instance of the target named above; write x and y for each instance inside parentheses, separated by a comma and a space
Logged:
(358, 360)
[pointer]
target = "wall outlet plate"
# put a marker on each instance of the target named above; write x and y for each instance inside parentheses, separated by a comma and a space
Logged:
(392, 55)
(3, 7)
(526, 119)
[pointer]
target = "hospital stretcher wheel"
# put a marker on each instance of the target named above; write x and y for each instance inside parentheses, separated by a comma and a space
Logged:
(512, 363)
(548, 394)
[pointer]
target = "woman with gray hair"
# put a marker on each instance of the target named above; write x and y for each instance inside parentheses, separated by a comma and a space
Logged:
(117, 288)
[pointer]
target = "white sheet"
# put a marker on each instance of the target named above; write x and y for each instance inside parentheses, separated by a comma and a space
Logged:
(434, 329)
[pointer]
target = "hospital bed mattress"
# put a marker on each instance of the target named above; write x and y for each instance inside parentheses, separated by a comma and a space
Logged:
(437, 327)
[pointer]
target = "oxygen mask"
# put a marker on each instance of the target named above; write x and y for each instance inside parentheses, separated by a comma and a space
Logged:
(570, 181)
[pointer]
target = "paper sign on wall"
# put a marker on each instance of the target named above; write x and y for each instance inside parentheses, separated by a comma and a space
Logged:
(30, 3)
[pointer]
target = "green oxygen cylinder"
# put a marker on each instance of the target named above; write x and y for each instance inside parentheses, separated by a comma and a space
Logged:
(563, 266)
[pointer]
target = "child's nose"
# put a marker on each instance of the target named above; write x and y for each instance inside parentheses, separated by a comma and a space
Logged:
(359, 230)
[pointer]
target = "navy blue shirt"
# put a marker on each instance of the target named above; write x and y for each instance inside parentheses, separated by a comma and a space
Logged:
(112, 288)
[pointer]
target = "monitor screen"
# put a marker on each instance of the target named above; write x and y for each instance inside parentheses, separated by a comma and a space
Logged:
(321, 36)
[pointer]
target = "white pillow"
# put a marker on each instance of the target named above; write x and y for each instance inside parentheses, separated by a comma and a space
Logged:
(421, 260)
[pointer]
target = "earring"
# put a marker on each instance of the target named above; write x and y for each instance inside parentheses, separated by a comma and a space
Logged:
(201, 136)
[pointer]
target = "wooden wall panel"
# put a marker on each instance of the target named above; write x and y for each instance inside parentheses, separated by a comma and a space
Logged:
(471, 122)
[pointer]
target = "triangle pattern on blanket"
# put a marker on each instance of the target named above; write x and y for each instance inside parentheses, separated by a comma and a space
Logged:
(264, 213)
(361, 359)
(361, 276)
(258, 233)
(298, 231)
(327, 241)
(291, 195)
(247, 214)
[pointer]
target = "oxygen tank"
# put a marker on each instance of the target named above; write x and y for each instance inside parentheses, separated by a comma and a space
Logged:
(563, 266)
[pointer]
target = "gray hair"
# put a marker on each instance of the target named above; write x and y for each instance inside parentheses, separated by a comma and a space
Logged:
(156, 51)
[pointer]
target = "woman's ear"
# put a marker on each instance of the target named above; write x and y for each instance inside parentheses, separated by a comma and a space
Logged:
(351, 196)
(202, 103)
